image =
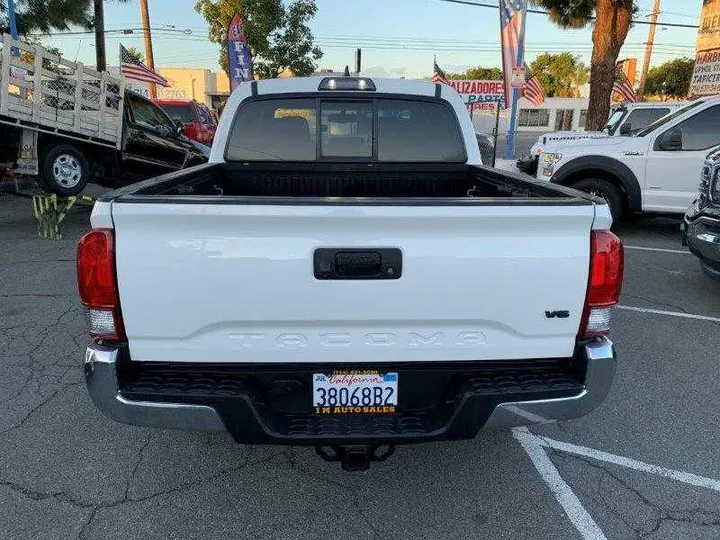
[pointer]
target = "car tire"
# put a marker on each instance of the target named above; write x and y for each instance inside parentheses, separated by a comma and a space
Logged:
(65, 171)
(605, 190)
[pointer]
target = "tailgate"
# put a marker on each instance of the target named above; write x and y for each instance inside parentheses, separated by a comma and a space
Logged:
(236, 283)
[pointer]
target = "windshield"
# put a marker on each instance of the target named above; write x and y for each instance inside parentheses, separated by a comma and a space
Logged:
(181, 114)
(667, 118)
(614, 120)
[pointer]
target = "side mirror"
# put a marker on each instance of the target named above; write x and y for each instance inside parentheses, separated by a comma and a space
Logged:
(670, 140)
(178, 130)
(626, 129)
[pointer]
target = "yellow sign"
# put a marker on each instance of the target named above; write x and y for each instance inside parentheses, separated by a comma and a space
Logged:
(709, 31)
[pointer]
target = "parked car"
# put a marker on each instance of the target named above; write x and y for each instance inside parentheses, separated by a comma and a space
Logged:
(345, 274)
(625, 120)
(700, 230)
(68, 136)
(198, 121)
(654, 170)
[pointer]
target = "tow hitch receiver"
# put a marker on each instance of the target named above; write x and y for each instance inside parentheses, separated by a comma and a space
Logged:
(356, 458)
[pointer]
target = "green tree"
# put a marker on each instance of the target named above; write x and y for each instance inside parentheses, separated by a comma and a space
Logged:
(579, 78)
(562, 75)
(44, 16)
(136, 53)
(478, 73)
(278, 34)
(671, 78)
(612, 22)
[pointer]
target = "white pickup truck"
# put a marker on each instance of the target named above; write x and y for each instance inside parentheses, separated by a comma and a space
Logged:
(345, 274)
(625, 120)
(655, 170)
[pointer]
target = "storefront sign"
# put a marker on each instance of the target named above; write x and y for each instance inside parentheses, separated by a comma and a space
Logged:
(706, 76)
(480, 95)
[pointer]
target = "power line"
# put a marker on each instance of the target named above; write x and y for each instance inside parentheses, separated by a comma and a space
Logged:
(542, 12)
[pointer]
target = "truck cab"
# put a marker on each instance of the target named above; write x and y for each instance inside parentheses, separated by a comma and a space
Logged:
(653, 170)
(625, 120)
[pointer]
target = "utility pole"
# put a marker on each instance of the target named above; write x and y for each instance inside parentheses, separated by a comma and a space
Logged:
(100, 59)
(648, 48)
(152, 89)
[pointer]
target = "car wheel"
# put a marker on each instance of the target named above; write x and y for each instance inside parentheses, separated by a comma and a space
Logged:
(65, 171)
(605, 190)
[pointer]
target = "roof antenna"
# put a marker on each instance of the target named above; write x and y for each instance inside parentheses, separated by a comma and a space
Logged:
(347, 71)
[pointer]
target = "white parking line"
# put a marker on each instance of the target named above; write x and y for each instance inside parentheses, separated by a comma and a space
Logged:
(572, 506)
(670, 313)
(641, 248)
(534, 446)
(680, 476)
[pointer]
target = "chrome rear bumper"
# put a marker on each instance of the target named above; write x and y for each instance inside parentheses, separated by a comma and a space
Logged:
(101, 373)
(600, 373)
(102, 382)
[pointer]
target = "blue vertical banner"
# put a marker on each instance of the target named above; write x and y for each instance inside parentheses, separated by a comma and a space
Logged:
(239, 57)
(13, 26)
(513, 14)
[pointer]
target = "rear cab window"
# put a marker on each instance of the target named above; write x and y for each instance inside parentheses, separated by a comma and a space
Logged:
(346, 129)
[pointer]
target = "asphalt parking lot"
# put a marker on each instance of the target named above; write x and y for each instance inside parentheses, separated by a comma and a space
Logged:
(644, 465)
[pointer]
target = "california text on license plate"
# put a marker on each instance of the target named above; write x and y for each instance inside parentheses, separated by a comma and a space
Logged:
(355, 392)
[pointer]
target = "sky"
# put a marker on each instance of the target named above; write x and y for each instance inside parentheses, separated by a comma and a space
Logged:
(398, 37)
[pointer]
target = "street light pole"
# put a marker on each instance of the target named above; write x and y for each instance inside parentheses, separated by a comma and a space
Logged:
(149, 61)
(648, 49)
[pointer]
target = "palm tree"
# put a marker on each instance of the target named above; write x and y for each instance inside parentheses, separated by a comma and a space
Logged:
(611, 21)
(578, 79)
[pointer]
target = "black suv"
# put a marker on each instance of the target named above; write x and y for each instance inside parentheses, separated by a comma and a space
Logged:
(700, 230)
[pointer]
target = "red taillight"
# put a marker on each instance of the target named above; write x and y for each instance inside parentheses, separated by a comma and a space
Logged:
(97, 284)
(191, 130)
(604, 283)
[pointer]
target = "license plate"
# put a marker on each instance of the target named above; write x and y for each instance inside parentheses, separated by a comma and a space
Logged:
(355, 392)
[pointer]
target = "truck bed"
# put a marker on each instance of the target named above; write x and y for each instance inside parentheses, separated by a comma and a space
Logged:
(292, 183)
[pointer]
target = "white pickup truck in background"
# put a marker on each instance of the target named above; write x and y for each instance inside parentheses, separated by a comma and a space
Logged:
(345, 274)
(655, 170)
(625, 120)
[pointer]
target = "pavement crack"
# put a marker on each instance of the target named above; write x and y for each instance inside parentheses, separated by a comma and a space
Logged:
(353, 493)
(131, 477)
(35, 495)
(82, 535)
(41, 406)
(660, 513)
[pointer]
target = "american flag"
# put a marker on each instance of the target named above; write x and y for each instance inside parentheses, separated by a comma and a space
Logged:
(533, 90)
(512, 35)
(623, 86)
(438, 74)
(134, 69)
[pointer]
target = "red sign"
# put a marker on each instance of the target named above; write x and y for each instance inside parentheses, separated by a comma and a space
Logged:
(518, 78)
